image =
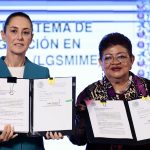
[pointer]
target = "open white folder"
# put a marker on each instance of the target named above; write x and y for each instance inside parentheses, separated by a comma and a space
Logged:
(120, 119)
(37, 105)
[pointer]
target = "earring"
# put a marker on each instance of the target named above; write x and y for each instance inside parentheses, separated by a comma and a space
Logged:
(102, 74)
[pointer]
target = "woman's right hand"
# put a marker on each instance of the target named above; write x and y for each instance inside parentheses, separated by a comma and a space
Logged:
(7, 133)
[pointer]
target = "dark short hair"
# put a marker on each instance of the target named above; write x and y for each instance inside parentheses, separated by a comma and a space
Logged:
(113, 39)
(15, 14)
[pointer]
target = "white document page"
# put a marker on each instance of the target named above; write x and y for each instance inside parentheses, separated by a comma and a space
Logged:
(109, 120)
(140, 112)
(14, 104)
(52, 104)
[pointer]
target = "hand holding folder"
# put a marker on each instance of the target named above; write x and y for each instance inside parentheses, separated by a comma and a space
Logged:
(39, 105)
(119, 122)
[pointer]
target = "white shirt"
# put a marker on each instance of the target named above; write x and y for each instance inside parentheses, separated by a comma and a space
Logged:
(17, 71)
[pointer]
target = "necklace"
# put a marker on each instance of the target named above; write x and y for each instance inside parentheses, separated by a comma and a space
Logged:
(125, 87)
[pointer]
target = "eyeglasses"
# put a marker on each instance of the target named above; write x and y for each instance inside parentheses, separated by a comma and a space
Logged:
(122, 58)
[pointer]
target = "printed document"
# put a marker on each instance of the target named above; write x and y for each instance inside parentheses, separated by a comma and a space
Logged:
(14, 104)
(109, 119)
(140, 112)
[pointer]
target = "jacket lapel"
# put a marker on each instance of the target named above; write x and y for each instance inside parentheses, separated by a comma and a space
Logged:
(4, 71)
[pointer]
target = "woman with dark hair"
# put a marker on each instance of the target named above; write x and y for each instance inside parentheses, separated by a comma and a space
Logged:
(18, 34)
(118, 83)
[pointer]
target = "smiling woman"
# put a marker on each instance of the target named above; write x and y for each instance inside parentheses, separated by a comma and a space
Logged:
(18, 38)
(17, 34)
(118, 83)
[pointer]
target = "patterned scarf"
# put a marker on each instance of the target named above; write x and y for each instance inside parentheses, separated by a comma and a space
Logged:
(103, 90)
